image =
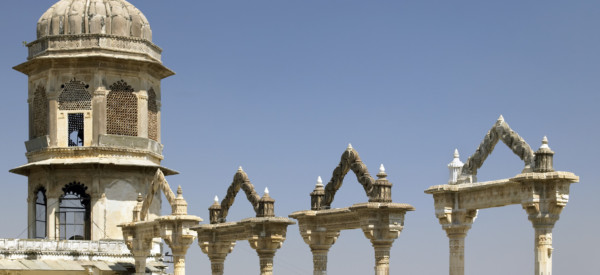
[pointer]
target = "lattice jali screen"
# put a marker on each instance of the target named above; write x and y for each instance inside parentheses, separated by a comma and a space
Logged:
(121, 110)
(74, 96)
(40, 112)
(152, 116)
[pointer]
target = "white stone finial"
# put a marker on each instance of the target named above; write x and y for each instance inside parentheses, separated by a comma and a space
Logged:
(381, 169)
(349, 146)
(545, 143)
(501, 118)
(240, 169)
(455, 167)
(319, 182)
(216, 199)
(266, 190)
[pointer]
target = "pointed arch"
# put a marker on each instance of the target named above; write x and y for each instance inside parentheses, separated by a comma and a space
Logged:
(121, 110)
(158, 183)
(240, 180)
(500, 131)
(350, 161)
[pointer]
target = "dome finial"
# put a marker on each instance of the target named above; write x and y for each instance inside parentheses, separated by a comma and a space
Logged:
(319, 182)
(349, 146)
(456, 155)
(545, 143)
(501, 118)
(240, 169)
(216, 199)
(381, 168)
(266, 190)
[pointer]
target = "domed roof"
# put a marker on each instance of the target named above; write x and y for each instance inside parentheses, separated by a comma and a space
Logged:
(113, 17)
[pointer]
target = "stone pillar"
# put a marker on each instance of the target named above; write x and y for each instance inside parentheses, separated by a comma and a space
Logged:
(543, 249)
(99, 113)
(320, 242)
(319, 261)
(382, 256)
(266, 260)
(179, 262)
(456, 236)
(543, 216)
(140, 248)
(457, 223)
(217, 252)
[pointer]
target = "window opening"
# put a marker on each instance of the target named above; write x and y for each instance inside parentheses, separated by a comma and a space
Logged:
(152, 116)
(40, 214)
(40, 112)
(75, 129)
(121, 110)
(74, 213)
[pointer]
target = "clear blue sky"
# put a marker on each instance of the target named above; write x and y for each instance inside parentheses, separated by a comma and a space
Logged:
(281, 88)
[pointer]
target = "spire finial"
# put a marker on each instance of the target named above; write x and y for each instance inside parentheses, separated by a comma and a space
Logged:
(381, 168)
(216, 199)
(240, 169)
(319, 182)
(266, 190)
(501, 118)
(179, 191)
(456, 155)
(140, 198)
(545, 143)
(349, 146)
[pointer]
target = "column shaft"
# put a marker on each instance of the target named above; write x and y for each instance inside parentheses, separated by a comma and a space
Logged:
(217, 264)
(382, 259)
(140, 265)
(543, 250)
(457, 253)
(266, 262)
(320, 261)
(179, 264)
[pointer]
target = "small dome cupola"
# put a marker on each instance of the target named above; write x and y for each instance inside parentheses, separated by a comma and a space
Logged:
(110, 17)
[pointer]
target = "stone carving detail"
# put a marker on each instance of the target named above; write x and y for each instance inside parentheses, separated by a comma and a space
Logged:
(40, 112)
(500, 131)
(159, 182)
(240, 180)
(121, 110)
(349, 161)
(152, 116)
(75, 96)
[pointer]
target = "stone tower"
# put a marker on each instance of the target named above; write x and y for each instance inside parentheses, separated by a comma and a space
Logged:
(94, 96)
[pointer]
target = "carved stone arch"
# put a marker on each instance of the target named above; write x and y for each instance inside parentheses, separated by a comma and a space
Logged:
(121, 110)
(240, 180)
(74, 96)
(40, 112)
(350, 161)
(159, 183)
(500, 131)
(152, 115)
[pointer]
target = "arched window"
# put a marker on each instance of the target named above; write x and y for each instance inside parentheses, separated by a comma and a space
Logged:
(121, 110)
(40, 214)
(152, 116)
(40, 112)
(74, 213)
(75, 97)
